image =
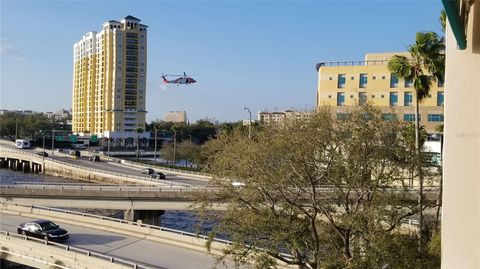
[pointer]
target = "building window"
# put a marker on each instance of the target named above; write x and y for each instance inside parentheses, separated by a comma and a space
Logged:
(408, 83)
(362, 98)
(389, 117)
(440, 98)
(393, 81)
(342, 116)
(435, 117)
(393, 98)
(363, 80)
(340, 99)
(407, 99)
(341, 81)
(410, 117)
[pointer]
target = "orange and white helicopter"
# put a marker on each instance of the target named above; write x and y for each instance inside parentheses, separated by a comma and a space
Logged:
(181, 80)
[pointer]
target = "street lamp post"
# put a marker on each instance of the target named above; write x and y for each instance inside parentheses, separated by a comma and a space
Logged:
(16, 127)
(108, 147)
(174, 145)
(249, 122)
(43, 153)
(53, 140)
(138, 144)
(155, 148)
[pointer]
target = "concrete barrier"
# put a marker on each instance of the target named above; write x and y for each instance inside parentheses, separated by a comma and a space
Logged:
(135, 229)
(43, 254)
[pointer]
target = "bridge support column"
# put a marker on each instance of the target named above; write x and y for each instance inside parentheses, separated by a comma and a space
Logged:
(25, 166)
(3, 163)
(151, 217)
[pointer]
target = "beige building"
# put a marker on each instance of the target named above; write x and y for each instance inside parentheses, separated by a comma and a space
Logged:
(109, 80)
(345, 85)
(176, 116)
(279, 116)
(461, 155)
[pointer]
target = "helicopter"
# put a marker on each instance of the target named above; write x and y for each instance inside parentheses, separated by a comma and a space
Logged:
(181, 80)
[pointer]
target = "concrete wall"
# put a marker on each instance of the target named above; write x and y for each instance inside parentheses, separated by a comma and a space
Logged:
(33, 253)
(461, 189)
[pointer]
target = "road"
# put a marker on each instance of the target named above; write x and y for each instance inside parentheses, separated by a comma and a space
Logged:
(148, 253)
(106, 165)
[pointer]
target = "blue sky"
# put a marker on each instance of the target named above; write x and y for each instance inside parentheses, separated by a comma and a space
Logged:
(259, 54)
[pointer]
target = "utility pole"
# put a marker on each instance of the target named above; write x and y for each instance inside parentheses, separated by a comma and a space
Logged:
(16, 127)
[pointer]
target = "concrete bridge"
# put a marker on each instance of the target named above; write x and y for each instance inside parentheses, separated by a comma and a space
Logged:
(102, 242)
(31, 162)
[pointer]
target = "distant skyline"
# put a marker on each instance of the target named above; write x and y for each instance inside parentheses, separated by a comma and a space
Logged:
(258, 54)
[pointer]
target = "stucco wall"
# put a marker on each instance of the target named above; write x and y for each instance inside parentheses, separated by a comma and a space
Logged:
(461, 196)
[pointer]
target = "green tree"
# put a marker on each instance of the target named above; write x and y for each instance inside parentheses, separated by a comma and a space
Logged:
(166, 152)
(425, 64)
(320, 190)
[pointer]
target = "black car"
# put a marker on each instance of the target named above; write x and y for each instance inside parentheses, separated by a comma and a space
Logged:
(157, 175)
(147, 171)
(94, 158)
(42, 153)
(44, 229)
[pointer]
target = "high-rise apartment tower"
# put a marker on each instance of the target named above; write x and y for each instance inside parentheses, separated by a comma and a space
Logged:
(109, 80)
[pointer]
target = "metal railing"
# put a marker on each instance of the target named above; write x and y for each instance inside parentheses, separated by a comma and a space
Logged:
(85, 187)
(352, 63)
(77, 250)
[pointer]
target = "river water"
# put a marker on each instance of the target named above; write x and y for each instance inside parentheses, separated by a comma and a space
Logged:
(179, 220)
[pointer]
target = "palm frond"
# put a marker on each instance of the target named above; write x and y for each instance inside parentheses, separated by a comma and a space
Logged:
(401, 67)
(422, 86)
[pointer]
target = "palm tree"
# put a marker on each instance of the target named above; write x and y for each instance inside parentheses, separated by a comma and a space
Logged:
(425, 65)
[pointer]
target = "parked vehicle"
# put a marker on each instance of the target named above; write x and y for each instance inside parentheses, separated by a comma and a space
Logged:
(42, 153)
(44, 229)
(147, 171)
(94, 158)
(158, 175)
(22, 143)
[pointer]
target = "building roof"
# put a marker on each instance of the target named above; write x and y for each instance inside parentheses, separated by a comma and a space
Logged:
(130, 17)
(114, 21)
(143, 25)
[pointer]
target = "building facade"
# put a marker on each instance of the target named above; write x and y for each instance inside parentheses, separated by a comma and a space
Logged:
(176, 116)
(109, 80)
(278, 117)
(344, 85)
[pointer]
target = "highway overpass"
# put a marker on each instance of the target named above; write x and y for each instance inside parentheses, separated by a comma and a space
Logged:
(136, 243)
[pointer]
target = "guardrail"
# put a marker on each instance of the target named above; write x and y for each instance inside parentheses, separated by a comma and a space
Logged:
(140, 178)
(144, 165)
(76, 250)
(97, 188)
